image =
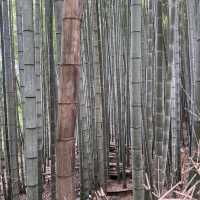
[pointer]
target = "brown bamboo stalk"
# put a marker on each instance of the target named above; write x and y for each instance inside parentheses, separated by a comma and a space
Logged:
(67, 100)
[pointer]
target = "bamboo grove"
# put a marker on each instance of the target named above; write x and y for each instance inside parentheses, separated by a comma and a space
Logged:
(91, 85)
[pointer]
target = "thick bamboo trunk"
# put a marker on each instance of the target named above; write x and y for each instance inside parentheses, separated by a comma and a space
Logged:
(67, 102)
(38, 92)
(149, 109)
(136, 111)
(175, 108)
(30, 114)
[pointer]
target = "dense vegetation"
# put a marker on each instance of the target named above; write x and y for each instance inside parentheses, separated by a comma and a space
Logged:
(90, 89)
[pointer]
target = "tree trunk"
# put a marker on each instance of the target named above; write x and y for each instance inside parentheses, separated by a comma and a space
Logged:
(149, 109)
(98, 99)
(58, 8)
(159, 109)
(136, 111)
(38, 92)
(168, 80)
(30, 114)
(197, 80)
(10, 81)
(52, 90)
(67, 102)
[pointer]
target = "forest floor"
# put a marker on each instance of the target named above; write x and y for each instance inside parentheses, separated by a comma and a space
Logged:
(115, 189)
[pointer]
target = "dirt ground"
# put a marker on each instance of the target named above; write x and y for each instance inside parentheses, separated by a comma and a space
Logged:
(115, 190)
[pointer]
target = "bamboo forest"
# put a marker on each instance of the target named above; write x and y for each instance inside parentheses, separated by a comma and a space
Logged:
(99, 99)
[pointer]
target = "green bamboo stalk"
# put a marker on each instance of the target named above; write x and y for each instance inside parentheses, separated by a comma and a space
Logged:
(136, 112)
